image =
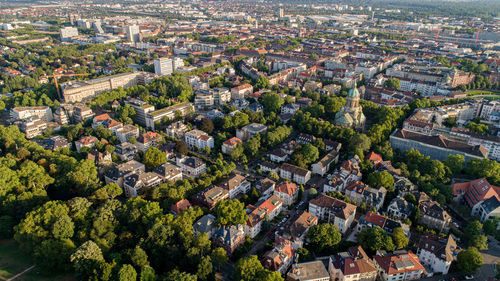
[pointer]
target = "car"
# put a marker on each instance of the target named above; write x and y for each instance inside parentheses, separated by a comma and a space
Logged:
(454, 279)
(469, 277)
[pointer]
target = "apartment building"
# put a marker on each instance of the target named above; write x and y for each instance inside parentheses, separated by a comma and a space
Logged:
(352, 265)
(333, 210)
(198, 139)
(191, 166)
(235, 184)
(308, 271)
(43, 113)
(251, 130)
(398, 265)
(294, 173)
(180, 110)
(230, 144)
(287, 192)
(437, 253)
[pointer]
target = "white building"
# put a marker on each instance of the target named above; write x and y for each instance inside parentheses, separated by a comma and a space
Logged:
(199, 139)
(163, 66)
(437, 253)
(67, 33)
(133, 32)
(333, 210)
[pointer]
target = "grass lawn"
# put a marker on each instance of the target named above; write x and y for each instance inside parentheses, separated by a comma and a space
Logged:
(13, 261)
(482, 92)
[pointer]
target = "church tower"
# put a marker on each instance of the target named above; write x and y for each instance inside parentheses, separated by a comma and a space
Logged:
(351, 114)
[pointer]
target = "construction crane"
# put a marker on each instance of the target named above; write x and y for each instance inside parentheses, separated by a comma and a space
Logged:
(55, 76)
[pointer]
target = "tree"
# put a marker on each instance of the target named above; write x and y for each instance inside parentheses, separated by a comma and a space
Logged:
(181, 147)
(479, 241)
(272, 102)
(359, 142)
(262, 82)
(204, 268)
(250, 269)
(207, 125)
(86, 258)
(83, 178)
(237, 151)
(7, 224)
(489, 226)
(379, 179)
(127, 273)
(455, 163)
(393, 83)
(324, 236)
(487, 168)
(399, 238)
(139, 257)
(469, 260)
(154, 158)
(411, 198)
(147, 273)
(375, 238)
(304, 255)
(230, 212)
(473, 228)
(219, 257)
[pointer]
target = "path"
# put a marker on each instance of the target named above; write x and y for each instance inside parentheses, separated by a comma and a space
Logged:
(21, 273)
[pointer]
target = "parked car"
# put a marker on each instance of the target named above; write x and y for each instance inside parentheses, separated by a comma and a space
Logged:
(469, 277)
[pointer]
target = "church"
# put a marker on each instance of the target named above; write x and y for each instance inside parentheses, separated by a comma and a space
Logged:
(351, 114)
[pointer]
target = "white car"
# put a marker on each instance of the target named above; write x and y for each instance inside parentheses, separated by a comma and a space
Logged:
(469, 277)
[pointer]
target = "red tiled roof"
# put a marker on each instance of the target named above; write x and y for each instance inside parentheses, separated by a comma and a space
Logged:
(287, 187)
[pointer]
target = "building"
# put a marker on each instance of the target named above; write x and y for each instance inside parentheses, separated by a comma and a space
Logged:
(333, 210)
(133, 33)
(210, 196)
(177, 130)
(323, 165)
(398, 265)
(308, 271)
(360, 192)
(264, 210)
(191, 166)
(67, 33)
(277, 155)
(141, 108)
(399, 208)
(177, 110)
(235, 184)
(372, 219)
(288, 192)
(353, 265)
(126, 132)
(294, 173)
(436, 147)
(229, 238)
(134, 182)
(163, 66)
(351, 114)
(230, 144)
(241, 91)
(147, 140)
(479, 195)
(168, 172)
(118, 172)
(76, 90)
(349, 171)
(43, 113)
(87, 141)
(206, 224)
(434, 216)
(437, 253)
(251, 130)
(198, 139)
(279, 258)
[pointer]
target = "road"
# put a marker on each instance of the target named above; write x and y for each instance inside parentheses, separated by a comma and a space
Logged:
(490, 259)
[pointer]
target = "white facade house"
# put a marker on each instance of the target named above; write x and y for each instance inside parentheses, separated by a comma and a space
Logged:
(333, 210)
(199, 139)
(437, 253)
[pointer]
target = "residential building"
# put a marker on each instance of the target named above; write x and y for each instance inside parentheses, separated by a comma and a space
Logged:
(177, 130)
(177, 110)
(126, 151)
(353, 265)
(290, 108)
(134, 182)
(87, 141)
(398, 265)
(163, 66)
(333, 210)
(67, 33)
(229, 238)
(265, 187)
(437, 253)
(235, 185)
(308, 271)
(294, 173)
(133, 33)
(241, 91)
(287, 192)
(360, 192)
(251, 130)
(372, 219)
(141, 108)
(230, 144)
(169, 172)
(277, 155)
(434, 216)
(323, 165)
(279, 258)
(180, 206)
(118, 172)
(53, 143)
(191, 166)
(206, 224)
(210, 196)
(126, 132)
(263, 210)
(198, 139)
(349, 170)
(296, 232)
(43, 113)
(399, 208)
(147, 140)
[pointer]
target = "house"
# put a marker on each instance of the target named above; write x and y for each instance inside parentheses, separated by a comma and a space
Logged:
(241, 91)
(264, 210)
(229, 238)
(399, 208)
(277, 155)
(230, 144)
(268, 167)
(305, 138)
(294, 173)
(297, 231)
(398, 265)
(437, 253)
(434, 216)
(290, 108)
(251, 130)
(134, 182)
(180, 206)
(308, 271)
(99, 120)
(87, 141)
(206, 224)
(289, 147)
(210, 196)
(169, 172)
(404, 186)
(126, 151)
(53, 143)
(478, 195)
(126, 132)
(333, 210)
(176, 130)
(256, 107)
(235, 184)
(199, 139)
(332, 145)
(323, 165)
(288, 192)
(147, 140)
(349, 170)
(191, 166)
(353, 265)
(372, 219)
(279, 258)
(360, 192)
(118, 172)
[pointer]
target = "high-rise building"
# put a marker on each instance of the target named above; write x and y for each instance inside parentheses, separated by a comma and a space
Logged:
(96, 25)
(133, 33)
(281, 13)
(164, 66)
(67, 33)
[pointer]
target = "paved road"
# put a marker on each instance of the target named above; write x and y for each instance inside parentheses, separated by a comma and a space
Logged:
(490, 259)
(21, 273)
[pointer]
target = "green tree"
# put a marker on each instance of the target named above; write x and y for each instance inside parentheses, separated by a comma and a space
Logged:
(489, 226)
(469, 260)
(139, 257)
(272, 102)
(324, 236)
(399, 238)
(207, 125)
(237, 151)
(359, 142)
(455, 163)
(393, 83)
(154, 158)
(181, 147)
(230, 212)
(127, 273)
(86, 258)
(479, 241)
(219, 257)
(379, 179)
(250, 269)
(375, 238)
(262, 83)
(204, 268)
(473, 228)
(147, 274)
